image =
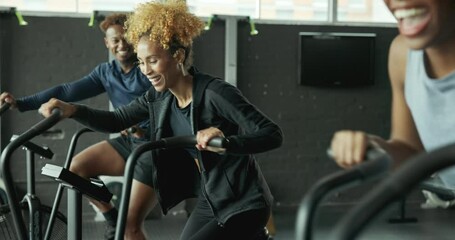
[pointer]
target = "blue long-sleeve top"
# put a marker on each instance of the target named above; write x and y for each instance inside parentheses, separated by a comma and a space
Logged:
(106, 77)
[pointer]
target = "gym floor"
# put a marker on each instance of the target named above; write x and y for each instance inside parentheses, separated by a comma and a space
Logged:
(431, 224)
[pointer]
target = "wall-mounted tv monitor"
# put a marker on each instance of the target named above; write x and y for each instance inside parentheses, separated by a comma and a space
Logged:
(336, 59)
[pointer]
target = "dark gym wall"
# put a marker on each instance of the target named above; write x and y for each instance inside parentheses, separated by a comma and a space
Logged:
(52, 50)
(267, 75)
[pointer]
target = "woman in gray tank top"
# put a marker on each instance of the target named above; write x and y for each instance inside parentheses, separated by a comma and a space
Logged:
(422, 74)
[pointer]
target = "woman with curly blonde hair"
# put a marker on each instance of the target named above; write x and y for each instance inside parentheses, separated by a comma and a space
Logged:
(234, 200)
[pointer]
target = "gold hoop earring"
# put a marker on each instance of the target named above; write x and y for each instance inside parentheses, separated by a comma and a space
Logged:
(182, 68)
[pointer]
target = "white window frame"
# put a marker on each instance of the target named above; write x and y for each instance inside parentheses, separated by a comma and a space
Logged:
(332, 17)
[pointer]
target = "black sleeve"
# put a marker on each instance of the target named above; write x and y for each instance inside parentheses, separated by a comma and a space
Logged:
(260, 134)
(115, 121)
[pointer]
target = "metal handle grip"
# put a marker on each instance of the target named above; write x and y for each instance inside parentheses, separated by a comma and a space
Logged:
(185, 141)
(5, 106)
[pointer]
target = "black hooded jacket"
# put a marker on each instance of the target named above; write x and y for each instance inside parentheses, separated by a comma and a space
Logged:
(231, 182)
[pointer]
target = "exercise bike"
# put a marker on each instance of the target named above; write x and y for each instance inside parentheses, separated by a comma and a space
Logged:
(32, 215)
(37, 218)
(400, 182)
(378, 162)
(171, 142)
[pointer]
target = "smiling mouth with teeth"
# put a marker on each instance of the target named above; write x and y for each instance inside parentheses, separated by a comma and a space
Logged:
(154, 79)
(412, 21)
(408, 13)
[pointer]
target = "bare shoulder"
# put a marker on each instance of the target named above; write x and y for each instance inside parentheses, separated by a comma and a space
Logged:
(397, 61)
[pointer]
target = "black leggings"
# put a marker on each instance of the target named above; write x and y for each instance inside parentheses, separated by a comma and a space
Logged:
(202, 225)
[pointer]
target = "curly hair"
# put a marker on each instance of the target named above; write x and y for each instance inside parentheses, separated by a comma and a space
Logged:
(113, 19)
(169, 24)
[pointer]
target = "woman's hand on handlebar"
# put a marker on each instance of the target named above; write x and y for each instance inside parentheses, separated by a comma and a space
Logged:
(135, 131)
(9, 98)
(205, 135)
(349, 147)
(67, 109)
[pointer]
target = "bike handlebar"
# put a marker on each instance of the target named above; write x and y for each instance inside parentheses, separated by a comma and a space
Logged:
(378, 162)
(184, 141)
(4, 107)
(43, 125)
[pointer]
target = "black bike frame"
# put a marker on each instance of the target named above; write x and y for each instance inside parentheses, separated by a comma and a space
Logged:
(378, 163)
(172, 142)
(35, 130)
